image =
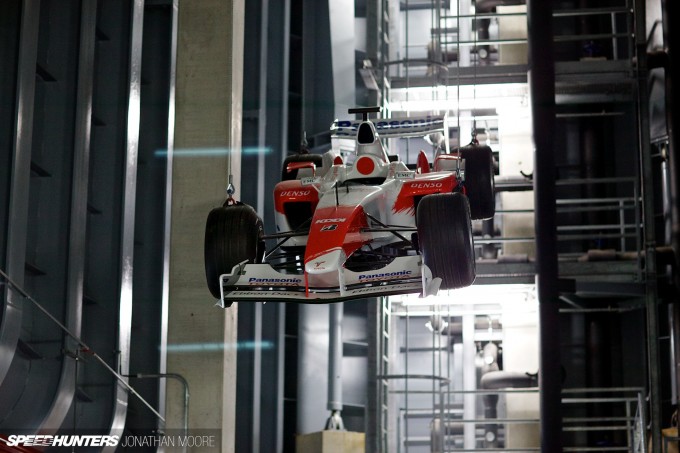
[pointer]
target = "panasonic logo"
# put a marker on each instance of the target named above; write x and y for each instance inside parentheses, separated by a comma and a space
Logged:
(295, 193)
(330, 220)
(279, 281)
(427, 185)
(346, 127)
(403, 124)
(385, 276)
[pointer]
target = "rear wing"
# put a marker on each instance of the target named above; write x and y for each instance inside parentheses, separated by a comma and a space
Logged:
(392, 127)
(395, 127)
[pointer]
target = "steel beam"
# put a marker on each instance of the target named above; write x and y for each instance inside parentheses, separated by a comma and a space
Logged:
(262, 108)
(373, 395)
(542, 91)
(646, 175)
(128, 218)
(280, 374)
(336, 312)
(257, 377)
(312, 367)
(469, 379)
(341, 14)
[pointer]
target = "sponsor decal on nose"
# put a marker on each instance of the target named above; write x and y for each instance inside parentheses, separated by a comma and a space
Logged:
(384, 276)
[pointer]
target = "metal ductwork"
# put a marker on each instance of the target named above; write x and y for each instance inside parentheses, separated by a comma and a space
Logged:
(662, 59)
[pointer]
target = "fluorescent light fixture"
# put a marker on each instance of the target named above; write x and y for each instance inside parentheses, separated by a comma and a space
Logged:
(212, 347)
(455, 99)
(212, 152)
(443, 105)
(498, 295)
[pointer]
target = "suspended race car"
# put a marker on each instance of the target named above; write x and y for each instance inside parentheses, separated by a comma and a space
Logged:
(351, 231)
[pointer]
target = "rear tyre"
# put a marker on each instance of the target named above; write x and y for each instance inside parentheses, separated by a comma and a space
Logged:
(285, 176)
(445, 238)
(233, 234)
(479, 181)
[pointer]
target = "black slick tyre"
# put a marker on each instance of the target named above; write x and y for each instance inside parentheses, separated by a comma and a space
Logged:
(233, 234)
(286, 176)
(445, 238)
(479, 181)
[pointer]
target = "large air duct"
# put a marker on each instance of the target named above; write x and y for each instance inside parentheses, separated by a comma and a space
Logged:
(662, 59)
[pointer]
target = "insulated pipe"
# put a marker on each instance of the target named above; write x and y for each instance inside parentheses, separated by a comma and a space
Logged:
(542, 94)
(494, 380)
(487, 6)
(336, 312)
(440, 430)
(455, 329)
(592, 158)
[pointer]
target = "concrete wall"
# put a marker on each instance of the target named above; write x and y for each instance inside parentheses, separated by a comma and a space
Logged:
(520, 354)
(516, 155)
(202, 337)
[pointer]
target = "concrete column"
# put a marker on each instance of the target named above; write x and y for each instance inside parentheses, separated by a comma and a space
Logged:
(202, 337)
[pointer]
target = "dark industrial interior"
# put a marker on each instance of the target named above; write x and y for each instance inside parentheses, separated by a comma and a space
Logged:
(123, 121)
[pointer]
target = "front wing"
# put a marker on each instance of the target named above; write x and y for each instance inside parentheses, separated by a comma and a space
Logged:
(262, 283)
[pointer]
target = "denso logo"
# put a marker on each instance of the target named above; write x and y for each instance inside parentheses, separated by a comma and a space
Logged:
(427, 185)
(330, 220)
(295, 193)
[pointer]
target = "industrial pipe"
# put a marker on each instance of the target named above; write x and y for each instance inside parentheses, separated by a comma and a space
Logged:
(487, 6)
(440, 429)
(185, 385)
(494, 380)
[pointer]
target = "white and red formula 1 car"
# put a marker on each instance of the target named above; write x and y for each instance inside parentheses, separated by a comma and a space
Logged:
(351, 231)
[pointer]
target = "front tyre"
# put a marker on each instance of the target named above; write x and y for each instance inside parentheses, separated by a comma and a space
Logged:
(233, 234)
(445, 238)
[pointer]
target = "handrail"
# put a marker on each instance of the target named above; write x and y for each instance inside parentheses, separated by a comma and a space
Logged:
(559, 13)
(630, 422)
(84, 347)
